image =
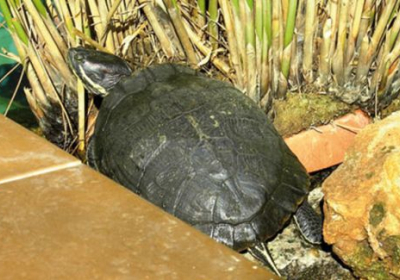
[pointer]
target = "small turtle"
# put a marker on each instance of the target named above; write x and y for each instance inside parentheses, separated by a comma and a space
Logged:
(196, 147)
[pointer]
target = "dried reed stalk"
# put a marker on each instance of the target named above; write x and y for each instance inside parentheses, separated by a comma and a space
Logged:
(263, 47)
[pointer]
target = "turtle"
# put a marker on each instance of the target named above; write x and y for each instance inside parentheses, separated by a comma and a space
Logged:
(196, 147)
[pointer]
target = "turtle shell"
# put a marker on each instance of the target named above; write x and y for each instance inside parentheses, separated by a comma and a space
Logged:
(202, 151)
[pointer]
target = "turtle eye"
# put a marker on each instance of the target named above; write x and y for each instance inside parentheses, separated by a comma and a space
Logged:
(79, 57)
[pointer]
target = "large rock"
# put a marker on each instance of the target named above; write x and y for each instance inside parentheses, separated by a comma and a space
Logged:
(362, 203)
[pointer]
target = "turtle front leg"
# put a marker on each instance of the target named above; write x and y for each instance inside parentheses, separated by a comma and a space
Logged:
(309, 223)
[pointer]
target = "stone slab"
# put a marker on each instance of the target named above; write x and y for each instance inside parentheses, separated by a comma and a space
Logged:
(24, 154)
(77, 224)
(326, 145)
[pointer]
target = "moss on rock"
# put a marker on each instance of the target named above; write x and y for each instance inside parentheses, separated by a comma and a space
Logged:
(301, 111)
(368, 266)
(393, 107)
(376, 214)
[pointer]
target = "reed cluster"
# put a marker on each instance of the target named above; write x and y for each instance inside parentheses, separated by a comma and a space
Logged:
(349, 48)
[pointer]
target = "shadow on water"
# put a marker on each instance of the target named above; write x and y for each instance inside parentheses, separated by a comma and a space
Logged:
(19, 110)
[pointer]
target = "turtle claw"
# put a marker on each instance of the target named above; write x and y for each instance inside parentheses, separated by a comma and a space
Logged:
(261, 253)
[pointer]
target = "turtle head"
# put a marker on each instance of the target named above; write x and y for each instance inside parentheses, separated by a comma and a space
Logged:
(99, 71)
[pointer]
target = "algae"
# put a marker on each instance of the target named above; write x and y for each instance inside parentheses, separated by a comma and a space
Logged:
(392, 245)
(367, 265)
(393, 107)
(364, 265)
(318, 271)
(370, 175)
(302, 111)
(376, 214)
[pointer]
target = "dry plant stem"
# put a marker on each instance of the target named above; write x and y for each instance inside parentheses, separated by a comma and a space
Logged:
(98, 26)
(36, 110)
(128, 39)
(11, 56)
(294, 65)
(259, 37)
(219, 64)
(290, 23)
(265, 75)
(394, 31)
(81, 117)
(110, 14)
(201, 16)
(15, 91)
(73, 11)
(389, 77)
(174, 13)
(40, 96)
(380, 28)
(338, 57)
(37, 89)
(241, 15)
(212, 23)
(309, 41)
(169, 29)
(42, 74)
(132, 13)
(230, 31)
(334, 15)
(350, 14)
(366, 19)
(56, 36)
(116, 34)
(297, 47)
(276, 47)
(66, 17)
(102, 12)
(165, 43)
(393, 56)
(83, 19)
(46, 37)
(355, 19)
(240, 41)
(390, 65)
(90, 41)
(39, 73)
(377, 76)
(363, 61)
(132, 8)
(354, 29)
(324, 66)
(390, 40)
(285, 9)
(13, 24)
(9, 72)
(250, 51)
(283, 78)
(385, 88)
(76, 9)
(362, 70)
(267, 20)
(283, 81)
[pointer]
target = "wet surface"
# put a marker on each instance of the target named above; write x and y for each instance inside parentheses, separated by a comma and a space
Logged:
(24, 154)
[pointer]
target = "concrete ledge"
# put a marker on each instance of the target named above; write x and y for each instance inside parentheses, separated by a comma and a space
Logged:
(74, 223)
(24, 154)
